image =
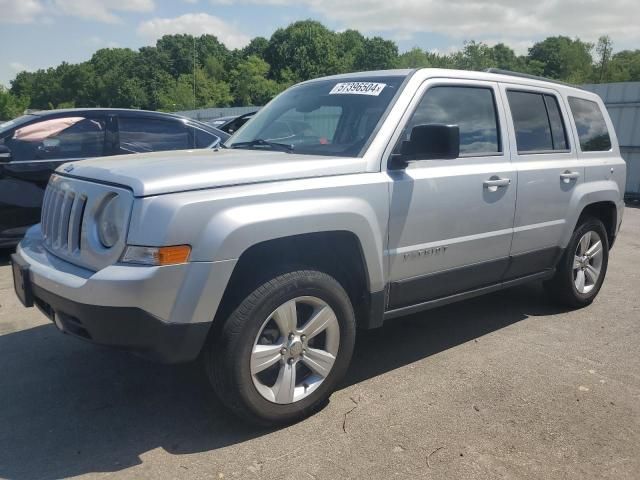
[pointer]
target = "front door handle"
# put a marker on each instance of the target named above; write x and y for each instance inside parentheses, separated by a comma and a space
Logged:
(496, 182)
(567, 176)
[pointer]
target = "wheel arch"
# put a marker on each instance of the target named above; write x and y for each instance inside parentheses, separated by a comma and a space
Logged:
(606, 212)
(338, 253)
(598, 199)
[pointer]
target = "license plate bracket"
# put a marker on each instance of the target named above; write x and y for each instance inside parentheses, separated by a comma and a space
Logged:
(22, 280)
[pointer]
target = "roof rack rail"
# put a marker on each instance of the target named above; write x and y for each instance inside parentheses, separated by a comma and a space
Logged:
(500, 71)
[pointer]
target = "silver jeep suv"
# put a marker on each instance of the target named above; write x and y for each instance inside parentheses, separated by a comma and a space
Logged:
(345, 202)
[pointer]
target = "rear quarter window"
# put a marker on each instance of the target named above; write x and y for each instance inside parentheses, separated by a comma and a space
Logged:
(591, 126)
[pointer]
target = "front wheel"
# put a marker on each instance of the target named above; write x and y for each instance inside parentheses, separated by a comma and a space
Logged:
(582, 268)
(283, 350)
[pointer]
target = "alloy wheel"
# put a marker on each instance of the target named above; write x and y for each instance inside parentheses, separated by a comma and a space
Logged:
(587, 262)
(295, 350)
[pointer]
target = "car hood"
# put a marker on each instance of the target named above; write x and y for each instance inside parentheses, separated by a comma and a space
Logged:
(177, 171)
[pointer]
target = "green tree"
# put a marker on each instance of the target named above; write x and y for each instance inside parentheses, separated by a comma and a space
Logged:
(116, 82)
(474, 56)
(307, 49)
(377, 54)
(414, 58)
(161, 76)
(257, 47)
(179, 94)
(505, 58)
(151, 68)
(179, 50)
(604, 49)
(350, 47)
(625, 66)
(563, 58)
(250, 83)
(10, 105)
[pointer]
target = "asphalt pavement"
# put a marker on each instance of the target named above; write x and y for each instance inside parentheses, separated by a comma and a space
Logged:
(503, 386)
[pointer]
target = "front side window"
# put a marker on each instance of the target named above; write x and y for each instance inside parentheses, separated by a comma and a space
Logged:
(592, 129)
(58, 139)
(326, 117)
(537, 121)
(139, 135)
(472, 109)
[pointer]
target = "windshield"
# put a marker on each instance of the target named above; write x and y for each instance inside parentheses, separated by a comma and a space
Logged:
(326, 117)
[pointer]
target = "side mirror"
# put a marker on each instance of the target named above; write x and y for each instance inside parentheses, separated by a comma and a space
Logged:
(430, 142)
(5, 154)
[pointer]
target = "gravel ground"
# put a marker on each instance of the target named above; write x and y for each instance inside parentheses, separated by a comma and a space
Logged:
(504, 386)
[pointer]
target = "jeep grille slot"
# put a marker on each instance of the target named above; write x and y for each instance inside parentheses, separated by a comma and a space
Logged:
(71, 210)
(61, 221)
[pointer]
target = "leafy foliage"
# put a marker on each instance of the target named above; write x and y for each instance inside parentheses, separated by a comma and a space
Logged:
(161, 77)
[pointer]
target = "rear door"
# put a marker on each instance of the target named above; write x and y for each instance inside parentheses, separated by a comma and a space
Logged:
(37, 149)
(548, 172)
(450, 226)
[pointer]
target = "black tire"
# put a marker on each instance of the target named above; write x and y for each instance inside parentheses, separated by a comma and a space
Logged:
(227, 354)
(561, 287)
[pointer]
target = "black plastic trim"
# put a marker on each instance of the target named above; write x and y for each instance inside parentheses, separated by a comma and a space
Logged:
(449, 282)
(532, 262)
(399, 312)
(124, 327)
(375, 313)
(441, 288)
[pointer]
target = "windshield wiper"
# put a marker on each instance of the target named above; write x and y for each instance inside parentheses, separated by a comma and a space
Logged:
(259, 142)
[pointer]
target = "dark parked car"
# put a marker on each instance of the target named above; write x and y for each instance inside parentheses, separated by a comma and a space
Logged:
(34, 145)
(232, 123)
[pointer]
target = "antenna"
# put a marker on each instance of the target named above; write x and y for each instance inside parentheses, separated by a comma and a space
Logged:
(194, 73)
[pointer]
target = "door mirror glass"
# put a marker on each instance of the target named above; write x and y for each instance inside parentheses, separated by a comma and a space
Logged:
(5, 153)
(432, 142)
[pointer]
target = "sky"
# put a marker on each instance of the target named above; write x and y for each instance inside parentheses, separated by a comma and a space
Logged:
(42, 33)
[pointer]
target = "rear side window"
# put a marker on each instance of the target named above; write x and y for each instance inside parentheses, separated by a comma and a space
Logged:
(471, 108)
(558, 133)
(203, 139)
(592, 129)
(537, 121)
(139, 135)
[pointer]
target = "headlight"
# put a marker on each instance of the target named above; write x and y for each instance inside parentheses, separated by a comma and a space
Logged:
(110, 222)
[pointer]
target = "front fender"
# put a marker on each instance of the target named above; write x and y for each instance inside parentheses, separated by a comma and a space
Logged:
(222, 224)
(233, 231)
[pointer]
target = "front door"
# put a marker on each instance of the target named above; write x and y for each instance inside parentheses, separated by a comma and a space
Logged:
(37, 149)
(451, 221)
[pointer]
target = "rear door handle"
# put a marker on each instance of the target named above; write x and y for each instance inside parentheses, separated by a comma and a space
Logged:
(496, 182)
(567, 176)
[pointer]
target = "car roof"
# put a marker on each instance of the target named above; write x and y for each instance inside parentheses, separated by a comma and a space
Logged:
(494, 75)
(132, 111)
(125, 111)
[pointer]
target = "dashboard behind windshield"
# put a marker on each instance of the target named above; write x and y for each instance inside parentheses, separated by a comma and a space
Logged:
(326, 117)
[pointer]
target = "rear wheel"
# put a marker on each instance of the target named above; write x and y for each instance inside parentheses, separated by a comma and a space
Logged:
(583, 266)
(283, 350)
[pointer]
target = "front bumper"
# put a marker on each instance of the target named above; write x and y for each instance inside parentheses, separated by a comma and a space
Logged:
(124, 327)
(159, 312)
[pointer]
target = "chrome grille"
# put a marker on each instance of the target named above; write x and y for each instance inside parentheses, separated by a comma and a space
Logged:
(62, 215)
(70, 209)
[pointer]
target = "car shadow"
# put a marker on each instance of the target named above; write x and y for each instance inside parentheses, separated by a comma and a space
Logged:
(5, 256)
(69, 408)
